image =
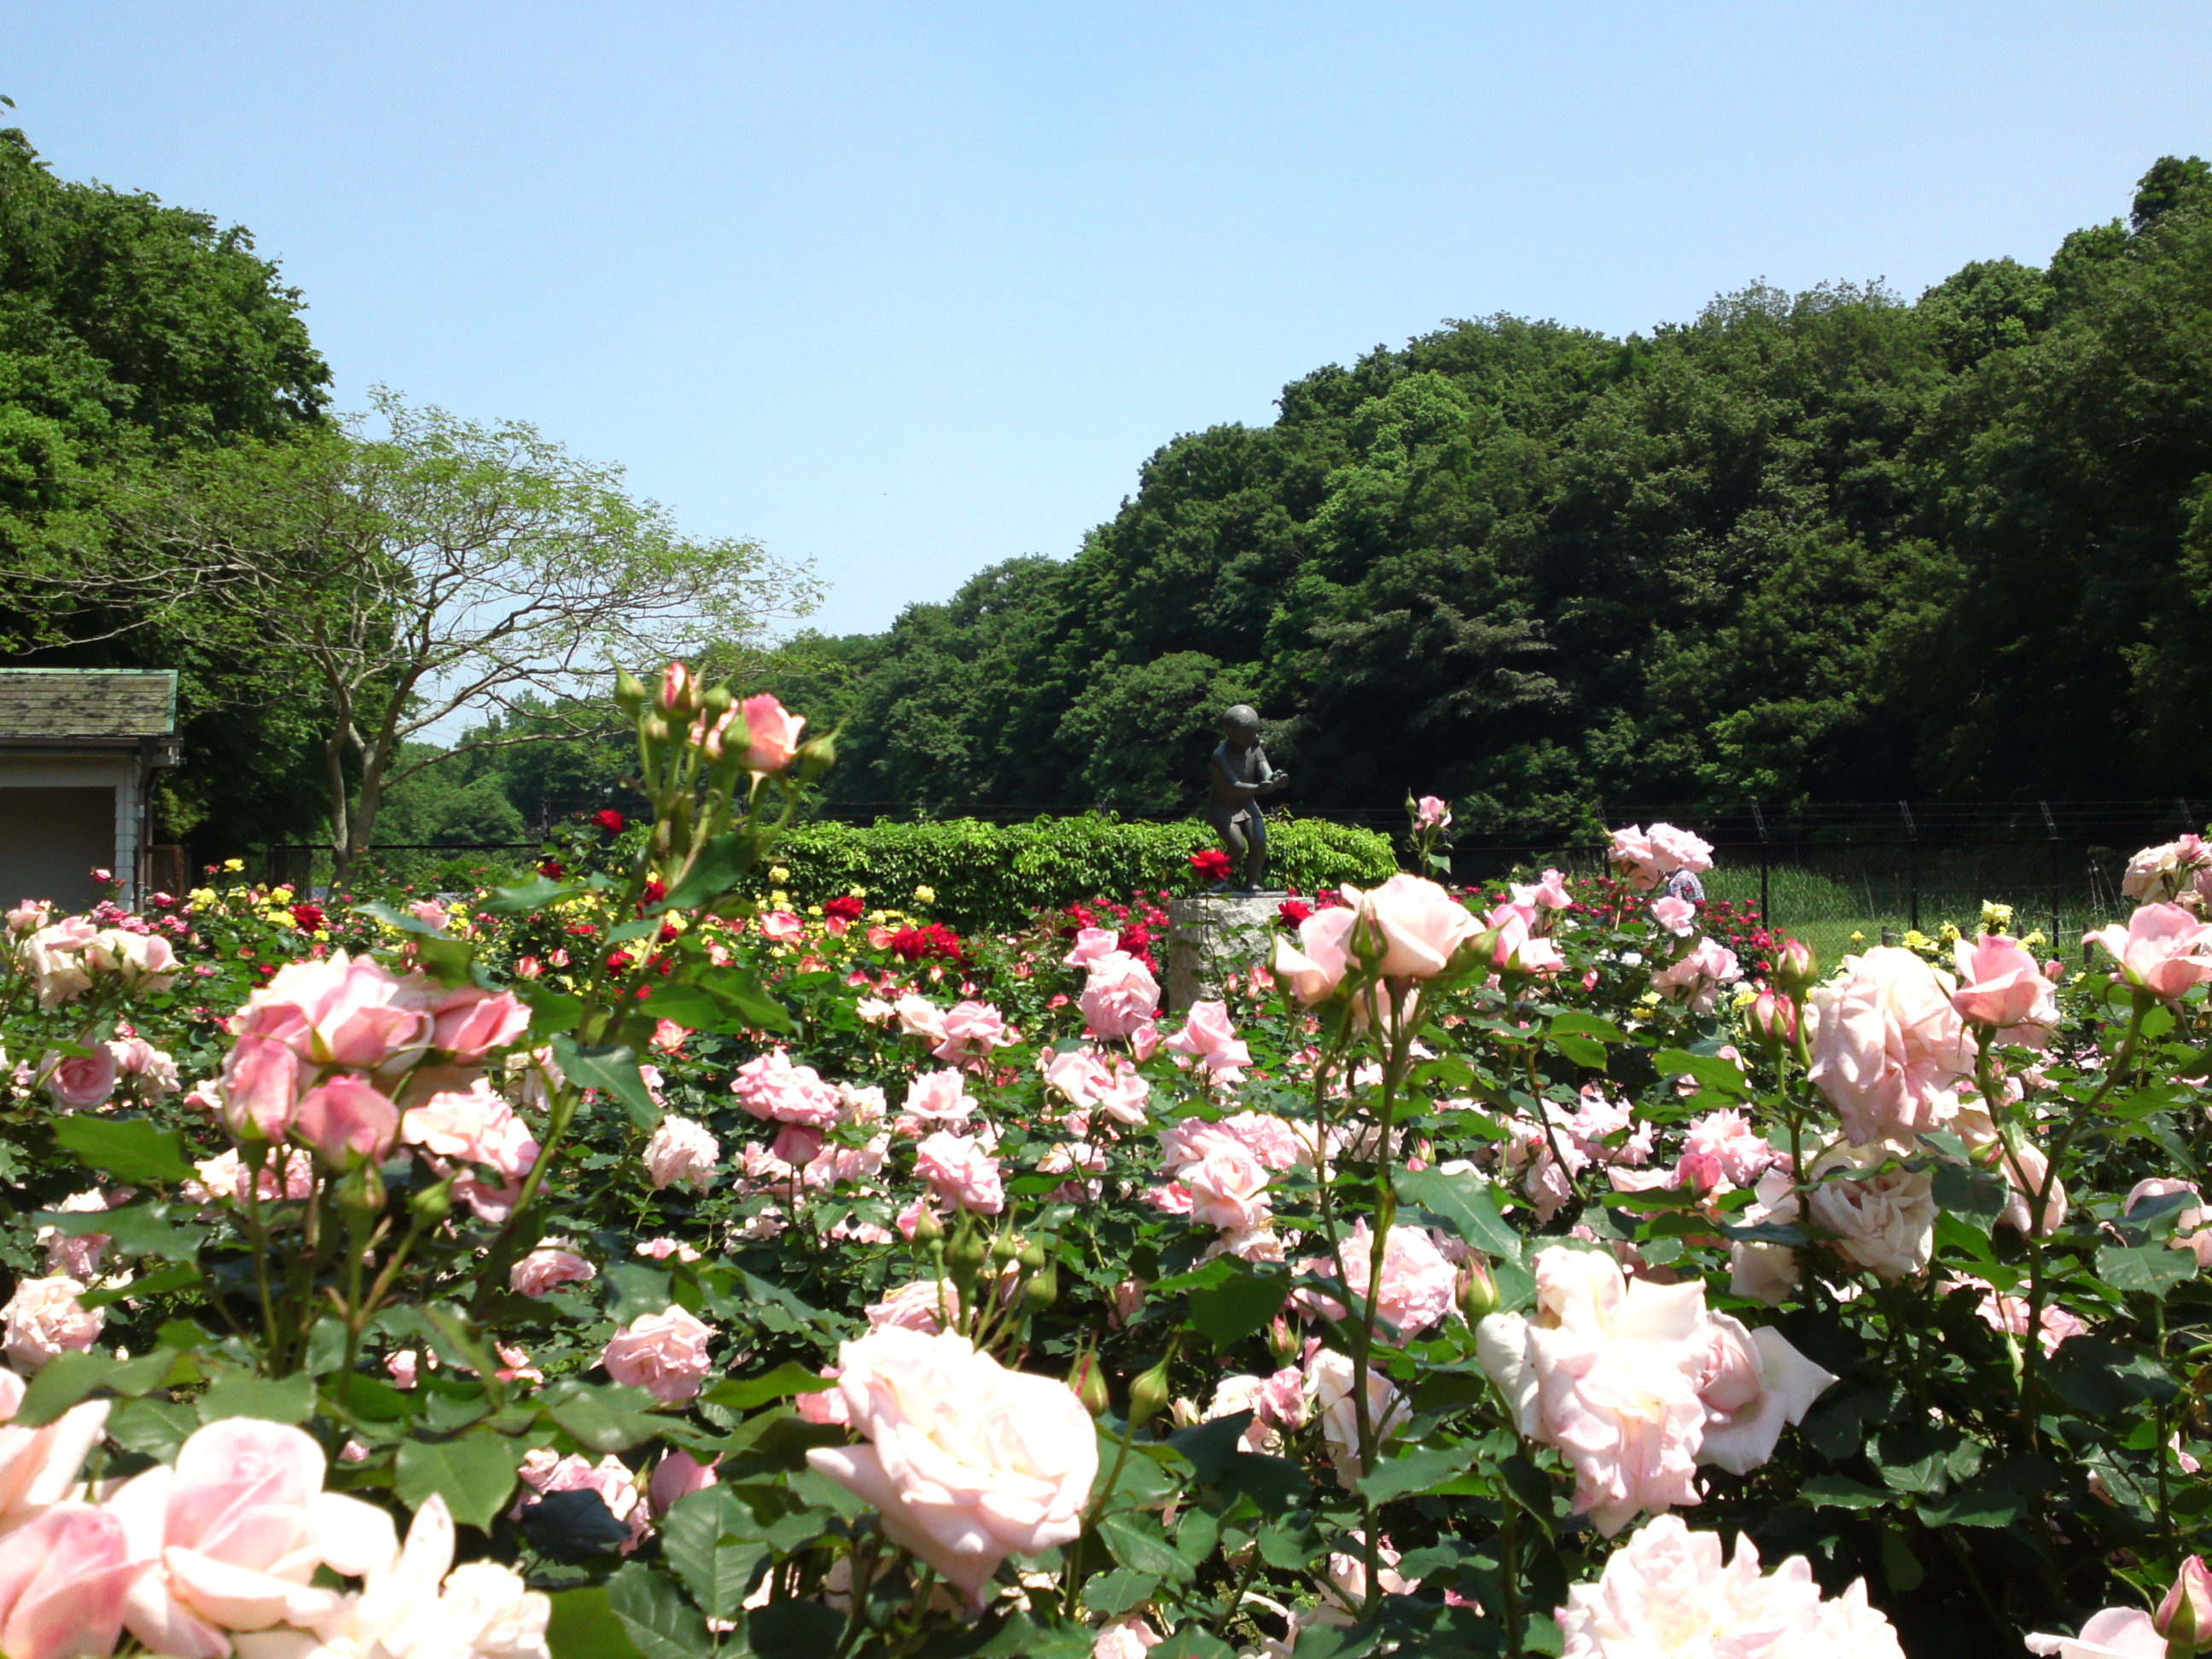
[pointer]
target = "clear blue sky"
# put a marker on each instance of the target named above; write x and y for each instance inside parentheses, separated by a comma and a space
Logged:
(910, 288)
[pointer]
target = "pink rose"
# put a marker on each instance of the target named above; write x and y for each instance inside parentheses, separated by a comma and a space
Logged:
(1130, 1637)
(940, 1097)
(2157, 875)
(959, 1171)
(1678, 850)
(139, 962)
(260, 1088)
(1632, 859)
(780, 926)
(479, 1128)
(342, 1011)
(1227, 1185)
(770, 1086)
(80, 1083)
(1315, 967)
(1889, 1049)
(771, 734)
(1329, 1380)
(44, 1318)
(2114, 1633)
(2160, 950)
(681, 1150)
(38, 1466)
(1667, 1578)
(2190, 1599)
(926, 1305)
(918, 1017)
(1079, 1076)
(1208, 1037)
(1119, 997)
(1676, 916)
(346, 1121)
(546, 1267)
(663, 1353)
(28, 916)
(1754, 1384)
(1431, 813)
(675, 1477)
(1608, 1373)
(1696, 979)
(1883, 1222)
(469, 1022)
(135, 1057)
(1417, 926)
(63, 1578)
(966, 1463)
(1418, 1280)
(972, 1029)
(1549, 893)
(2000, 986)
(230, 1537)
(1091, 944)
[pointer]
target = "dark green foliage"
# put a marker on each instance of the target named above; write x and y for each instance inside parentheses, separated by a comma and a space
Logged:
(991, 876)
(130, 331)
(1820, 546)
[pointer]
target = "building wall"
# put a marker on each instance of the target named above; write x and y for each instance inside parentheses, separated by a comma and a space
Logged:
(61, 815)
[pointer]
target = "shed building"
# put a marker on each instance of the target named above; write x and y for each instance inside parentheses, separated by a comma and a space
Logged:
(78, 750)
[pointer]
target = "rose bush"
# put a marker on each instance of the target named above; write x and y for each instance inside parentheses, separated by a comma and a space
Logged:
(703, 1269)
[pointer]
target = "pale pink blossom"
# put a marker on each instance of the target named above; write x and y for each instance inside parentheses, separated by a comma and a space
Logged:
(1228, 1186)
(771, 734)
(1329, 1377)
(2114, 1633)
(972, 1029)
(1118, 996)
(290, 1174)
(675, 1477)
(611, 1478)
(1695, 978)
(260, 1088)
(1753, 1385)
(2162, 950)
(961, 1172)
(926, 1305)
(659, 1249)
(966, 1463)
(80, 1083)
(2000, 986)
(546, 1268)
(54, 957)
(1316, 966)
(664, 1353)
(44, 1318)
(2054, 1324)
(1889, 1050)
(38, 1467)
(681, 1150)
(1644, 859)
(1608, 1373)
(350, 1012)
(1677, 915)
(64, 1576)
(1210, 1041)
(477, 1127)
(940, 1097)
(1549, 892)
(347, 1120)
(1091, 944)
(468, 1022)
(1883, 1221)
(2191, 1229)
(2157, 875)
(138, 962)
(918, 1017)
(230, 1538)
(1130, 1637)
(1721, 1150)
(1416, 927)
(1418, 1280)
(781, 926)
(1431, 813)
(153, 1069)
(1666, 1592)
(770, 1086)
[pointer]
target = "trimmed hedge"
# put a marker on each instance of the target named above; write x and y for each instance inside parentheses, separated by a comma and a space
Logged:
(990, 876)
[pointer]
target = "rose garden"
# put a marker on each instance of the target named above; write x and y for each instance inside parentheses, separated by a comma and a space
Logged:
(643, 1258)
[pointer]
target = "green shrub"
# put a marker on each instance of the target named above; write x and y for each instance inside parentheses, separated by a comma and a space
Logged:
(989, 876)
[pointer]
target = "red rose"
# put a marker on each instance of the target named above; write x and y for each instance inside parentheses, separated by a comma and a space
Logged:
(844, 907)
(1294, 911)
(609, 820)
(1212, 865)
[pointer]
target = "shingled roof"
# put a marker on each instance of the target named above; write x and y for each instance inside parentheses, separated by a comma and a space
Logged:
(57, 705)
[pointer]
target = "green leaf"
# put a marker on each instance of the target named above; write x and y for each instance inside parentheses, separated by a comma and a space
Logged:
(1275, 1483)
(154, 1428)
(601, 1417)
(136, 1229)
(2099, 1377)
(584, 1627)
(637, 1291)
(1465, 1200)
(1211, 1445)
(1710, 1070)
(279, 1399)
(720, 862)
(1240, 1306)
(1114, 1592)
(1138, 1544)
(1982, 1193)
(660, 1623)
(1840, 1491)
(704, 1538)
(159, 1282)
(612, 1071)
(1588, 1025)
(67, 1378)
(1416, 1472)
(536, 894)
(792, 1629)
(687, 1005)
(131, 1149)
(789, 1378)
(2154, 1269)
(475, 1474)
(743, 999)
(1580, 1049)
(1195, 1641)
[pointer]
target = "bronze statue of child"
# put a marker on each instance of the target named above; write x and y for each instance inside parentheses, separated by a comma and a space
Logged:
(1238, 776)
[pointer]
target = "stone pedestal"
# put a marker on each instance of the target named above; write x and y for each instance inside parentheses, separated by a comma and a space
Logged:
(1215, 935)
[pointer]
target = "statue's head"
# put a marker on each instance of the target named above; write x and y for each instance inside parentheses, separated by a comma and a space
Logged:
(1241, 722)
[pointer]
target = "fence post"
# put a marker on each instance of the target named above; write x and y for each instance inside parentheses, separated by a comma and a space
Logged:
(2050, 827)
(1766, 908)
(1912, 860)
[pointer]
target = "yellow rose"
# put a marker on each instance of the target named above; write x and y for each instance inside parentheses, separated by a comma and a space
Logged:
(925, 895)
(233, 865)
(778, 874)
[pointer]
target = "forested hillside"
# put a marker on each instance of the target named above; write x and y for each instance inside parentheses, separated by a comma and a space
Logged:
(1828, 545)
